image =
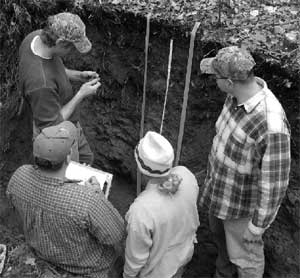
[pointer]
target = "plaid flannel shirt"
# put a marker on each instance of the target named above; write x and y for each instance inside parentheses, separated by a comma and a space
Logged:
(249, 163)
(71, 226)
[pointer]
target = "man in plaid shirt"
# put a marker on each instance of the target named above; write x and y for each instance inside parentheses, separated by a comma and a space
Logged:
(71, 226)
(249, 164)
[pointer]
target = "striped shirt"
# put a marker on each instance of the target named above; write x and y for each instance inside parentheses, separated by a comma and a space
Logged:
(71, 226)
(249, 163)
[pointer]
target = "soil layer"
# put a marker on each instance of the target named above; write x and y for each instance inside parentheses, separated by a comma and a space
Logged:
(111, 121)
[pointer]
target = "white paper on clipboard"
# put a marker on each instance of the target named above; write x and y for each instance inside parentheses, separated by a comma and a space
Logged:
(77, 171)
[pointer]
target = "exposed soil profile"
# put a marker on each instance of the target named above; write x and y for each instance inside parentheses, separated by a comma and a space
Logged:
(111, 123)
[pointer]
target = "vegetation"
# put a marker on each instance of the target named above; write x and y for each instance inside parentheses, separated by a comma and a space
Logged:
(266, 26)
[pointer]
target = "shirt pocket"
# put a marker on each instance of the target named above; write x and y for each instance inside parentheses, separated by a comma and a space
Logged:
(238, 147)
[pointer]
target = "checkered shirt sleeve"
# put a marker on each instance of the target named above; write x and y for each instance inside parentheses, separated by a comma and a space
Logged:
(273, 181)
(71, 226)
(249, 162)
(101, 211)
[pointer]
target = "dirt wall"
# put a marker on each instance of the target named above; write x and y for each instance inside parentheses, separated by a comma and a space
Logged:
(111, 119)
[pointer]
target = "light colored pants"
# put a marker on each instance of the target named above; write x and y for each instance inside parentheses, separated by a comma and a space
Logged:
(81, 151)
(236, 258)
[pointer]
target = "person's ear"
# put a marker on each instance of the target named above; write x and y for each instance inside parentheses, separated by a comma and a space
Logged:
(229, 83)
(59, 41)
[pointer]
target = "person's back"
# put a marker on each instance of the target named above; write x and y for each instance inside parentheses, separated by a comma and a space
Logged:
(163, 220)
(69, 225)
(173, 221)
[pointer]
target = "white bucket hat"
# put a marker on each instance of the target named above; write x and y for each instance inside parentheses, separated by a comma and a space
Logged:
(154, 155)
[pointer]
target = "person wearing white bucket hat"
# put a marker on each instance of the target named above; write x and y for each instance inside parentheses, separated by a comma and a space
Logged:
(163, 220)
(154, 155)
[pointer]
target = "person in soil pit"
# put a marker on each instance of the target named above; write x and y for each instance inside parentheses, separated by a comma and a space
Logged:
(45, 82)
(163, 220)
(249, 164)
(73, 227)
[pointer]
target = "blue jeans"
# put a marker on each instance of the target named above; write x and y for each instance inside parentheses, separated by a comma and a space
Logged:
(236, 258)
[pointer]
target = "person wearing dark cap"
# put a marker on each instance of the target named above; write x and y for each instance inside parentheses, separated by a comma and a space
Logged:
(249, 164)
(73, 227)
(45, 82)
(163, 220)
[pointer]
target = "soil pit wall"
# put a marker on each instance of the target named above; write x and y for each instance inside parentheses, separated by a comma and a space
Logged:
(111, 121)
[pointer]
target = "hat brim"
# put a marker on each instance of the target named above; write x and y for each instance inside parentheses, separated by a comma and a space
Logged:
(83, 46)
(206, 66)
(147, 173)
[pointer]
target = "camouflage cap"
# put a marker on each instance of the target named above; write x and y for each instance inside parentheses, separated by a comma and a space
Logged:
(69, 27)
(230, 62)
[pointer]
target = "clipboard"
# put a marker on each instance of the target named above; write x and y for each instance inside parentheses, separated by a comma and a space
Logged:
(77, 171)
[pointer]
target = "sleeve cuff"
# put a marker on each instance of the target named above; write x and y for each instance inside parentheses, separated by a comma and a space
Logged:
(254, 229)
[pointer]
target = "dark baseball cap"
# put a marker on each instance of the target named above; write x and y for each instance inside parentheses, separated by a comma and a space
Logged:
(54, 143)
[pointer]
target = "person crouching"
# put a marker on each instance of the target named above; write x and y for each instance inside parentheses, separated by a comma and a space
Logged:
(71, 226)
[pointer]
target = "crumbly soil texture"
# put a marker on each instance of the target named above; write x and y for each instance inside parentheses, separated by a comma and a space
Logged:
(111, 121)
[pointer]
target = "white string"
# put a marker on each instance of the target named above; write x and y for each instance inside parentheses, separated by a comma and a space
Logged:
(167, 86)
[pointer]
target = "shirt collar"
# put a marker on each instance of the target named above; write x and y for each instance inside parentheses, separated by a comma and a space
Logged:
(252, 102)
(55, 181)
(33, 42)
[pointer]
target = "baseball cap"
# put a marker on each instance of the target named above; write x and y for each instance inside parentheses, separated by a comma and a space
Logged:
(154, 155)
(69, 27)
(54, 143)
(230, 62)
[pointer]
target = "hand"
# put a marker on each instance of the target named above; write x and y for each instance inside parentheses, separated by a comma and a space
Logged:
(250, 238)
(93, 181)
(89, 88)
(88, 75)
